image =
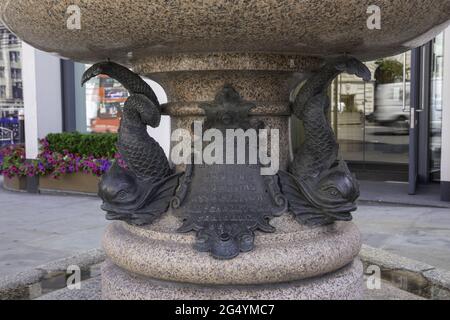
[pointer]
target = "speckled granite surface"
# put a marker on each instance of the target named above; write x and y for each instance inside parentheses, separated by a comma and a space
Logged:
(91, 290)
(344, 284)
(292, 253)
(269, 91)
(124, 29)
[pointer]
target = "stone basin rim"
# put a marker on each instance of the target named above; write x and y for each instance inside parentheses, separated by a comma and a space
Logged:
(312, 28)
(159, 65)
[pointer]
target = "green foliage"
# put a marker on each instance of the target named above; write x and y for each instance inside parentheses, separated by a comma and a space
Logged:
(96, 145)
(389, 71)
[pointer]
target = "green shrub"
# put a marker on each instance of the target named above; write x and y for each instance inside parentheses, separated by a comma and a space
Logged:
(389, 71)
(97, 145)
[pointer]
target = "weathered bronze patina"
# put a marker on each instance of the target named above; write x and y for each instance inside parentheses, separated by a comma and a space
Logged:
(141, 192)
(319, 186)
(225, 204)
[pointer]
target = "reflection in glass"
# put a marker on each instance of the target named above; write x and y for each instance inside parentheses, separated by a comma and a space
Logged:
(105, 99)
(436, 107)
(371, 119)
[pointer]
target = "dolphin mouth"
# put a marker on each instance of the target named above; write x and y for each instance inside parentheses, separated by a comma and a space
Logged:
(113, 216)
(117, 211)
(339, 206)
(126, 209)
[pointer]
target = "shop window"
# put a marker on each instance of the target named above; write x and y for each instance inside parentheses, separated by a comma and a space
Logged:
(105, 99)
(371, 119)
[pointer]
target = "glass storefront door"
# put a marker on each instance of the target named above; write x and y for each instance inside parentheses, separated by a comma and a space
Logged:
(371, 120)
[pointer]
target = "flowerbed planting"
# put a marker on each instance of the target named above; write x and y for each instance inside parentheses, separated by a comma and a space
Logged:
(62, 154)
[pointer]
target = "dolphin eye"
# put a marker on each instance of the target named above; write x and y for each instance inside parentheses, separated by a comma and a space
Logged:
(121, 195)
(332, 191)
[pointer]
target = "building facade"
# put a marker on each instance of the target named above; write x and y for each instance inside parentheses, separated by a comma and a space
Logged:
(11, 92)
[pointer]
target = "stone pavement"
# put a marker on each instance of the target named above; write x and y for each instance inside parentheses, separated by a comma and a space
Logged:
(36, 229)
(397, 193)
(418, 233)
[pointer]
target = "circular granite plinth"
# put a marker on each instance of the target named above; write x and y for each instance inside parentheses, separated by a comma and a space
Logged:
(292, 253)
(346, 283)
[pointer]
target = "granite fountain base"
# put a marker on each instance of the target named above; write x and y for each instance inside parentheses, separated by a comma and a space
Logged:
(296, 262)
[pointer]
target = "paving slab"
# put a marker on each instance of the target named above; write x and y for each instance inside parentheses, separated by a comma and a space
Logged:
(419, 233)
(36, 229)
